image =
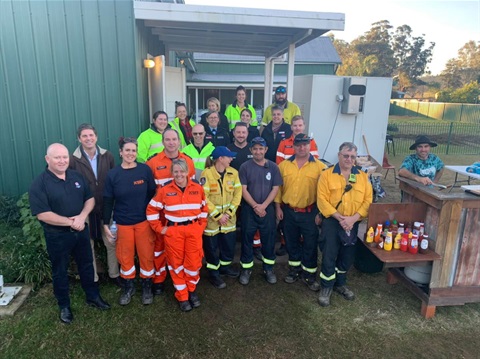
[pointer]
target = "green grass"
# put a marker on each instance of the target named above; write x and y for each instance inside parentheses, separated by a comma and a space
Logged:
(256, 321)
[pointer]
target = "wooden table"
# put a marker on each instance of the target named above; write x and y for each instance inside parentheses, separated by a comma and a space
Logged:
(453, 222)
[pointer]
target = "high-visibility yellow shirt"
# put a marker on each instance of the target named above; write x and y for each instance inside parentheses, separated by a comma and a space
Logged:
(289, 111)
(331, 189)
(299, 187)
(233, 111)
(149, 143)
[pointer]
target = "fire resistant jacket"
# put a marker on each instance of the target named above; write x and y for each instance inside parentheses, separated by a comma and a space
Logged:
(177, 206)
(161, 165)
(223, 196)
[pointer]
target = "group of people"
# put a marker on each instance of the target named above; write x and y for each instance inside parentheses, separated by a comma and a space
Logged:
(170, 221)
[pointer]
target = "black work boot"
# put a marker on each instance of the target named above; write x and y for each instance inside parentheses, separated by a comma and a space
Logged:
(324, 297)
(158, 288)
(293, 274)
(216, 281)
(147, 295)
(128, 291)
(229, 271)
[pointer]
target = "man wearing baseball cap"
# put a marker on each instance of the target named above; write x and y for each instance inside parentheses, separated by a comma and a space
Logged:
(260, 179)
(422, 166)
(289, 108)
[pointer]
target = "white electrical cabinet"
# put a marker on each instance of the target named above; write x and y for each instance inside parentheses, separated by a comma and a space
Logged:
(321, 99)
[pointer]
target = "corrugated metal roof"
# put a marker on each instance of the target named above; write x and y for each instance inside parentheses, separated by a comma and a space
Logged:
(319, 50)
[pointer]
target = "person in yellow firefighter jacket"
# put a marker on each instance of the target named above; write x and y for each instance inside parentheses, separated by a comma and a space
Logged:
(223, 192)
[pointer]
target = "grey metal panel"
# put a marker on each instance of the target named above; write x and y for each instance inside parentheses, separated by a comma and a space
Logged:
(63, 63)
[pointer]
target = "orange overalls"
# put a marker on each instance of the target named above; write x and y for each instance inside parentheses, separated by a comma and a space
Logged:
(161, 165)
(185, 214)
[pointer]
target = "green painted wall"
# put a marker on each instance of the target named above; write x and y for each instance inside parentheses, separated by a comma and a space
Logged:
(63, 63)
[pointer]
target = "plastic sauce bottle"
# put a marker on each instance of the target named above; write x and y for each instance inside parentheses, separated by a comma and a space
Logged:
(388, 241)
(422, 229)
(370, 235)
(114, 230)
(413, 247)
(404, 242)
(416, 228)
(378, 233)
(394, 227)
(397, 241)
(401, 228)
(386, 228)
(423, 248)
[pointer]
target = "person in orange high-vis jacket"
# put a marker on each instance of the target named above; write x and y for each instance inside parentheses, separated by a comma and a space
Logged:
(161, 165)
(285, 148)
(179, 212)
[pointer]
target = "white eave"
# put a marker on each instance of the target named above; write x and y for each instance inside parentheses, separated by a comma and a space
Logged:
(228, 30)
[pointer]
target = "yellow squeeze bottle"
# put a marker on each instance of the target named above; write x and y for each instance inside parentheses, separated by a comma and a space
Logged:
(397, 240)
(388, 241)
(370, 235)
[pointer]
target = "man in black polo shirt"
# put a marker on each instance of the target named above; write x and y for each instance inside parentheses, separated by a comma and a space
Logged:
(62, 200)
(240, 145)
(260, 179)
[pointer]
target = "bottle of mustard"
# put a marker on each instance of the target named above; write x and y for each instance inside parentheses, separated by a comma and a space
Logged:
(388, 241)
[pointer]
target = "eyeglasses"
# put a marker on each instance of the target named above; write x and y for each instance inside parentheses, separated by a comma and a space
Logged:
(352, 157)
(281, 90)
(198, 133)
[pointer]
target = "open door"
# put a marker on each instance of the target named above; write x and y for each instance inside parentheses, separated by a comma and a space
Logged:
(161, 78)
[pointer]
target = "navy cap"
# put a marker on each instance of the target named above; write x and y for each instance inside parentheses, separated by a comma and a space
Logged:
(222, 151)
(301, 138)
(281, 89)
(258, 141)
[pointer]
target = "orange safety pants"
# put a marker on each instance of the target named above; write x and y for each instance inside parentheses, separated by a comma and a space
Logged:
(160, 260)
(140, 238)
(183, 249)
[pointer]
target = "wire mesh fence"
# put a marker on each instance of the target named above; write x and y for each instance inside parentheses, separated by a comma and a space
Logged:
(452, 137)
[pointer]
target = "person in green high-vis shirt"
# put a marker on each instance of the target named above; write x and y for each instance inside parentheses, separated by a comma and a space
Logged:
(150, 141)
(182, 124)
(233, 111)
(198, 150)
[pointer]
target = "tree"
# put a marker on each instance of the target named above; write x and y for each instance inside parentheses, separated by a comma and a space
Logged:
(465, 68)
(466, 94)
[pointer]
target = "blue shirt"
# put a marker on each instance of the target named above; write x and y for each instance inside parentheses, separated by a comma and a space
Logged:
(93, 162)
(423, 168)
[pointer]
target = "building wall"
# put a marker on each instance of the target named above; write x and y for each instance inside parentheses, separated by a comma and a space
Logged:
(64, 63)
(255, 68)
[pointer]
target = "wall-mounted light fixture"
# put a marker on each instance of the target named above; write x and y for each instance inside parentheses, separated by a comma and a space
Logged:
(182, 61)
(148, 63)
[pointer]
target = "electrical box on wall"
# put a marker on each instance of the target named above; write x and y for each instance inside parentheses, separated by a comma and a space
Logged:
(354, 89)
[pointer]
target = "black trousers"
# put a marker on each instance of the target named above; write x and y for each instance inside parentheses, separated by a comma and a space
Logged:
(219, 250)
(336, 258)
(60, 245)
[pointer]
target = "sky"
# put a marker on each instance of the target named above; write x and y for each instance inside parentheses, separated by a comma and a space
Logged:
(448, 23)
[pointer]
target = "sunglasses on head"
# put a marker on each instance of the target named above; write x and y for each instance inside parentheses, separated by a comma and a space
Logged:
(281, 90)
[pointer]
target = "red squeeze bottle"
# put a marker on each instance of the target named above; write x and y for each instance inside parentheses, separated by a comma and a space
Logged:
(404, 242)
(413, 247)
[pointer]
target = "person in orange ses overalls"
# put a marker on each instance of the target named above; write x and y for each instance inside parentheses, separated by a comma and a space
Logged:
(161, 164)
(179, 212)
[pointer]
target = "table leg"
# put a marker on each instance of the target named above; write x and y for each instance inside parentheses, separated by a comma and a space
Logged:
(391, 279)
(454, 183)
(428, 311)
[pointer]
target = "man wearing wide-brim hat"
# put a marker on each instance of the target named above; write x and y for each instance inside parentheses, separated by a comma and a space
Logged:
(423, 166)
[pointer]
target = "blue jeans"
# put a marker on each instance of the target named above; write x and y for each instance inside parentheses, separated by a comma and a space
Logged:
(267, 227)
(60, 245)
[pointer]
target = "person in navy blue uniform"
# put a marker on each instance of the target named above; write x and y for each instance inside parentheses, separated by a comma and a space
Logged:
(61, 199)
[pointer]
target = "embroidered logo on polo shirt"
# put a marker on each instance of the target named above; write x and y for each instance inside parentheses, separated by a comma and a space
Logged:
(268, 176)
(203, 180)
(77, 185)
(138, 182)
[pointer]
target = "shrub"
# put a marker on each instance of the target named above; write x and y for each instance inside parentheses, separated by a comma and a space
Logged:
(23, 255)
(392, 127)
(9, 213)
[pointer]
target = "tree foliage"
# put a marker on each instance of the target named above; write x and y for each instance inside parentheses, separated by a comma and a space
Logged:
(465, 68)
(384, 52)
(469, 93)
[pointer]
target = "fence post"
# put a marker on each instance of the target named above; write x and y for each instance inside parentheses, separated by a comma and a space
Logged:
(461, 112)
(449, 137)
